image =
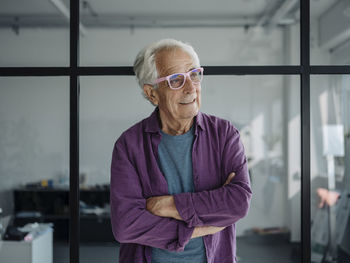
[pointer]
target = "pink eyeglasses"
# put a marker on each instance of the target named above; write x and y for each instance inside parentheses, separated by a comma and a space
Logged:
(177, 80)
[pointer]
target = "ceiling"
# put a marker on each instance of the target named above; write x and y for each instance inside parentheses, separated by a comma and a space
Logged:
(157, 13)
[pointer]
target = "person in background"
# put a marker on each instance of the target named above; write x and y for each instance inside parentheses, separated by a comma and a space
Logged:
(332, 198)
(179, 178)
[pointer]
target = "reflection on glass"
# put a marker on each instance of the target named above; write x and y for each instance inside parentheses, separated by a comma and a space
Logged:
(329, 32)
(265, 109)
(330, 144)
(34, 33)
(236, 33)
(34, 163)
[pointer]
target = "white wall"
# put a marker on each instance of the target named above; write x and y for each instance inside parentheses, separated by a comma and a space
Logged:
(292, 138)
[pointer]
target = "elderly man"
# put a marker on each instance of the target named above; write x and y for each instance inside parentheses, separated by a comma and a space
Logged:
(179, 178)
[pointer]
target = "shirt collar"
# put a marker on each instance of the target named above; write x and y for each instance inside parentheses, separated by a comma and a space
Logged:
(152, 122)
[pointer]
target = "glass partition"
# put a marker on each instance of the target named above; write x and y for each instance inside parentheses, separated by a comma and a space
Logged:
(108, 106)
(229, 33)
(329, 32)
(266, 111)
(34, 168)
(34, 33)
(330, 178)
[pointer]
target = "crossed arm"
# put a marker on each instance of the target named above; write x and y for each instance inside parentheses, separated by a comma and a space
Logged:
(164, 206)
(169, 222)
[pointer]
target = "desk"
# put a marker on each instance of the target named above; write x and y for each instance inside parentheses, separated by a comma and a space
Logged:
(39, 250)
(52, 204)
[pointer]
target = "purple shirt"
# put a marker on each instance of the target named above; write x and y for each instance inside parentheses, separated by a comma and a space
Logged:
(135, 176)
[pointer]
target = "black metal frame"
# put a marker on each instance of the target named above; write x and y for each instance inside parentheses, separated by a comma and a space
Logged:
(305, 130)
(304, 70)
(74, 193)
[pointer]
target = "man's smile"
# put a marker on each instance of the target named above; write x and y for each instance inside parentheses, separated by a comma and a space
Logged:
(188, 103)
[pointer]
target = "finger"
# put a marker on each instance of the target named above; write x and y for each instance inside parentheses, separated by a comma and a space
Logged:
(229, 178)
(148, 201)
(321, 203)
(150, 204)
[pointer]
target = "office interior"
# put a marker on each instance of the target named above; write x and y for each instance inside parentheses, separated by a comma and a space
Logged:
(34, 117)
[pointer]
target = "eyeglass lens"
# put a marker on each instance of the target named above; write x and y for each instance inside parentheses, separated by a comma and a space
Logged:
(177, 80)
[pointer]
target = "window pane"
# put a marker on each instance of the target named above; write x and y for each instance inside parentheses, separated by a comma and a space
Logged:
(108, 106)
(329, 32)
(232, 33)
(268, 118)
(34, 164)
(34, 33)
(330, 178)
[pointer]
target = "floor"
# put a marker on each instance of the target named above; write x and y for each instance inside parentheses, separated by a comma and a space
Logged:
(249, 250)
(258, 250)
(91, 253)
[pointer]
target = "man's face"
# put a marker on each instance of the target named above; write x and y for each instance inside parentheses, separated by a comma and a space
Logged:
(182, 104)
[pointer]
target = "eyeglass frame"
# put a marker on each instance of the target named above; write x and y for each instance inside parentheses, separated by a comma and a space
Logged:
(186, 74)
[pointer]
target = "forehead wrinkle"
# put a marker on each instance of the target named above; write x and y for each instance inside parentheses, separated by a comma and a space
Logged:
(166, 68)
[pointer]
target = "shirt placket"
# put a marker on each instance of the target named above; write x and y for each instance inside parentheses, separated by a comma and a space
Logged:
(196, 181)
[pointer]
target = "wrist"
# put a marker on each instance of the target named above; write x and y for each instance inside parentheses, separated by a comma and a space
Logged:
(171, 208)
(200, 231)
(163, 206)
(196, 232)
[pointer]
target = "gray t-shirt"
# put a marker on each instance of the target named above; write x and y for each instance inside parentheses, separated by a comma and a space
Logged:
(175, 161)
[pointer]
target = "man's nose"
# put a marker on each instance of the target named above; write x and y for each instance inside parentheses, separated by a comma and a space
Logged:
(189, 87)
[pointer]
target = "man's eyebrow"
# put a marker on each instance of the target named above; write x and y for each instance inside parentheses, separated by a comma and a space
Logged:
(192, 68)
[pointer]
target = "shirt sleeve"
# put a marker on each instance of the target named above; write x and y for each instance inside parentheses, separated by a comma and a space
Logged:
(131, 222)
(225, 205)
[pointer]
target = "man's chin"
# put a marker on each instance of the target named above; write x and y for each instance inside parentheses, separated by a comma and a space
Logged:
(190, 114)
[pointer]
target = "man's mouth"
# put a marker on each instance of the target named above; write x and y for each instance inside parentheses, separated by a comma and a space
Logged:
(189, 102)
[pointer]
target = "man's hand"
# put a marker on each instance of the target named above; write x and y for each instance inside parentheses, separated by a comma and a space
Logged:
(229, 178)
(327, 197)
(200, 231)
(163, 206)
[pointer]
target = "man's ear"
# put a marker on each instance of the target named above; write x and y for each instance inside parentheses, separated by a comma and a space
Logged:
(151, 93)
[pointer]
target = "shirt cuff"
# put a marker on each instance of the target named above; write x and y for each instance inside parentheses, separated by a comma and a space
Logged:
(185, 207)
(184, 236)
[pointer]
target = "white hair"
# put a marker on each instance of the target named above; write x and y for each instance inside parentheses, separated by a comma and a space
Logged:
(145, 66)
